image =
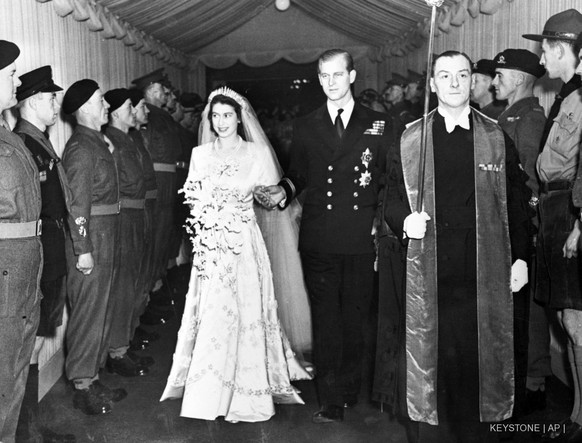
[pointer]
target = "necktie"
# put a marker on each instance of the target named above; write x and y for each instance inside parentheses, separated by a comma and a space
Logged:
(339, 124)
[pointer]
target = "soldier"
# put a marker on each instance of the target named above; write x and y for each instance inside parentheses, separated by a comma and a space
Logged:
(339, 168)
(414, 93)
(399, 109)
(558, 283)
(131, 239)
(92, 251)
(481, 90)
(20, 253)
(163, 143)
(39, 109)
(524, 120)
(141, 337)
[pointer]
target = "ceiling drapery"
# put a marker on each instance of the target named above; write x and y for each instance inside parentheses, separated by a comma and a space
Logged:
(98, 18)
(173, 30)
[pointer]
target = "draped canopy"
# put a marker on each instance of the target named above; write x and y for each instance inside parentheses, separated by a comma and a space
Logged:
(176, 29)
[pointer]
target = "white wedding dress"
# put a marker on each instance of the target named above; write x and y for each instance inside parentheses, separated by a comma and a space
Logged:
(232, 357)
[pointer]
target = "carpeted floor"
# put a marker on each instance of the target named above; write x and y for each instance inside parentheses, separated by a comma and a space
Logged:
(142, 418)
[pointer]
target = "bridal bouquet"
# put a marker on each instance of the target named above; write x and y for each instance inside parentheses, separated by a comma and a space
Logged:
(214, 223)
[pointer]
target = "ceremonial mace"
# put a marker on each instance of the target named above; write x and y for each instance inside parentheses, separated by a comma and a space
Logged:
(421, 167)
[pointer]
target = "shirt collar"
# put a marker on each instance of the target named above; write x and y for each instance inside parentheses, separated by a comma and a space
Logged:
(345, 115)
(451, 122)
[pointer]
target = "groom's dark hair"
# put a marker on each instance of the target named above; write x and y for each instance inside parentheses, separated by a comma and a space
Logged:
(332, 53)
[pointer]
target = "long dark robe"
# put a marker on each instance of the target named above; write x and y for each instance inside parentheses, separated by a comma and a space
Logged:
(458, 301)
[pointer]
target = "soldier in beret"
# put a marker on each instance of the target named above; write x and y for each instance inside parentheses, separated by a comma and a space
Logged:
(131, 239)
(482, 94)
(163, 143)
(20, 253)
(524, 120)
(39, 110)
(559, 284)
(338, 155)
(92, 251)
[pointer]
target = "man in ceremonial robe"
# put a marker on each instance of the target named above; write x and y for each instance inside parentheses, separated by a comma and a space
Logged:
(466, 254)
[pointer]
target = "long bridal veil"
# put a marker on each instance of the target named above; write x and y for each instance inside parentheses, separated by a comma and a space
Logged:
(280, 229)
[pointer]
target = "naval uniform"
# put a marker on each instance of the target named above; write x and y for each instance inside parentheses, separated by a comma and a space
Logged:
(340, 179)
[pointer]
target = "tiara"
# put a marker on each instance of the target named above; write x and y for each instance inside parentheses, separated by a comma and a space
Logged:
(228, 93)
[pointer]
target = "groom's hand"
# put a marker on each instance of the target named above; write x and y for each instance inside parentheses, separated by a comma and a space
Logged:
(269, 196)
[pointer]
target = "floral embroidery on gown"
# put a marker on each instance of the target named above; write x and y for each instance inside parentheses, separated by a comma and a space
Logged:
(232, 357)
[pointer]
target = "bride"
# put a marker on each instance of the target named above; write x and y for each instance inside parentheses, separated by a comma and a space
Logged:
(232, 356)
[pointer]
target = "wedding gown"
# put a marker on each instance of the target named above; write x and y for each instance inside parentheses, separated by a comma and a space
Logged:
(232, 357)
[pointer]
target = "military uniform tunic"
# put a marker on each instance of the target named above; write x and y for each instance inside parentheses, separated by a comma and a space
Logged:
(20, 272)
(94, 227)
(55, 200)
(163, 143)
(131, 241)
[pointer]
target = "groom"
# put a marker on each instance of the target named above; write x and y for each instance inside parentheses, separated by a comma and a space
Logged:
(338, 154)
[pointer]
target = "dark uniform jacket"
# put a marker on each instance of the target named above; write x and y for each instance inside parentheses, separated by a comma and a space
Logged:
(56, 197)
(92, 175)
(149, 175)
(20, 199)
(129, 164)
(340, 178)
(161, 137)
(524, 122)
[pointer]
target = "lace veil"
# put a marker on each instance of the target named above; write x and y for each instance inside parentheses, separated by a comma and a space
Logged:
(280, 229)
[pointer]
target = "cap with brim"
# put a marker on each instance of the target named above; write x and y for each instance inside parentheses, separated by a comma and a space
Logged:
(116, 98)
(8, 53)
(39, 80)
(191, 101)
(78, 94)
(397, 80)
(566, 25)
(156, 76)
(520, 60)
(414, 77)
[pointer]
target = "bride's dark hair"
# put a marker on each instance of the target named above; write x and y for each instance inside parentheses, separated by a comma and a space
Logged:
(225, 100)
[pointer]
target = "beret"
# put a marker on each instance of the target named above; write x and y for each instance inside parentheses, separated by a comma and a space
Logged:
(485, 67)
(135, 95)
(78, 94)
(116, 98)
(8, 53)
(38, 80)
(521, 60)
(566, 25)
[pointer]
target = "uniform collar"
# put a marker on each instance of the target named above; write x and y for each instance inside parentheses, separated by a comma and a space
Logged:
(345, 115)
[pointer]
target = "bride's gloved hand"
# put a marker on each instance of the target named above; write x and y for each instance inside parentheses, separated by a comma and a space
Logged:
(263, 198)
